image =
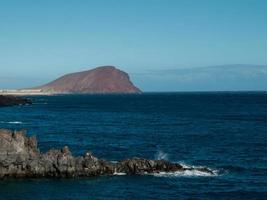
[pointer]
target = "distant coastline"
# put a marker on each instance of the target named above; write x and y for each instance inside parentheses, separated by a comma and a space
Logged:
(23, 92)
(39, 92)
(26, 92)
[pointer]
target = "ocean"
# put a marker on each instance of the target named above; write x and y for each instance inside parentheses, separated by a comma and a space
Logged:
(225, 131)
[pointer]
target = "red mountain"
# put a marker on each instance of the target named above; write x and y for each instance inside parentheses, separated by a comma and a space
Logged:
(106, 79)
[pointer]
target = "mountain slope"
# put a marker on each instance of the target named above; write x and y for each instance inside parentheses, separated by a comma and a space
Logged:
(105, 79)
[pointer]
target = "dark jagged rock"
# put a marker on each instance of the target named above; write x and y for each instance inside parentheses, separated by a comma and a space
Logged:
(13, 101)
(20, 158)
(142, 166)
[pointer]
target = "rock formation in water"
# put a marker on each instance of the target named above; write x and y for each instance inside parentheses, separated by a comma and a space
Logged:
(106, 79)
(20, 158)
(13, 101)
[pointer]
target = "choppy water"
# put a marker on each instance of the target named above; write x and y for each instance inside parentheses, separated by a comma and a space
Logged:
(226, 132)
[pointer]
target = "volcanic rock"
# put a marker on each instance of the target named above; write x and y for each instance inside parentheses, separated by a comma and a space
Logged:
(12, 101)
(21, 158)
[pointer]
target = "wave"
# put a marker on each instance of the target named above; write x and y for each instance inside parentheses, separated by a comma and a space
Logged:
(187, 173)
(11, 122)
(190, 171)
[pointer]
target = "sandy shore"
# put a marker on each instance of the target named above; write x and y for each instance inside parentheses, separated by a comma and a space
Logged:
(25, 92)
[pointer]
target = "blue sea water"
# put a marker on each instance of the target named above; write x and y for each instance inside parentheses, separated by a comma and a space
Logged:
(226, 132)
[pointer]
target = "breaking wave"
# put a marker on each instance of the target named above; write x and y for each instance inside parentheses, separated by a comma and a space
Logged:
(186, 173)
(190, 171)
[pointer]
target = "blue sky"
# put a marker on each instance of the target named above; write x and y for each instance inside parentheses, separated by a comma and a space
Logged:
(40, 40)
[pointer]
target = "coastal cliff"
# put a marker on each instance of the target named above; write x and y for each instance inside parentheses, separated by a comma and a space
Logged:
(21, 158)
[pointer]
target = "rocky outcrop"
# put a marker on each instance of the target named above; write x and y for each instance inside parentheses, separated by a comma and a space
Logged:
(20, 158)
(105, 79)
(143, 166)
(13, 101)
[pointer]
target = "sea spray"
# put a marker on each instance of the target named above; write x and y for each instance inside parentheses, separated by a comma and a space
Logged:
(160, 155)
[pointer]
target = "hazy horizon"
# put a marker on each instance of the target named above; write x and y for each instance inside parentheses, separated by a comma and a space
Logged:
(239, 77)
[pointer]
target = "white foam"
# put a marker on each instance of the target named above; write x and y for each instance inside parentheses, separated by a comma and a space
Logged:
(16, 122)
(119, 174)
(185, 173)
(12, 122)
(185, 165)
(190, 171)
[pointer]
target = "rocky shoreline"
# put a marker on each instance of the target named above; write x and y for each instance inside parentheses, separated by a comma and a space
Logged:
(21, 158)
(8, 100)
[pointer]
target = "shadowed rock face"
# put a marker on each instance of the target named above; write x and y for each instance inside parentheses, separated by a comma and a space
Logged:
(20, 158)
(106, 79)
(12, 101)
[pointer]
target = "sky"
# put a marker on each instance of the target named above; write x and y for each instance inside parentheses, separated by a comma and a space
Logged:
(40, 40)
